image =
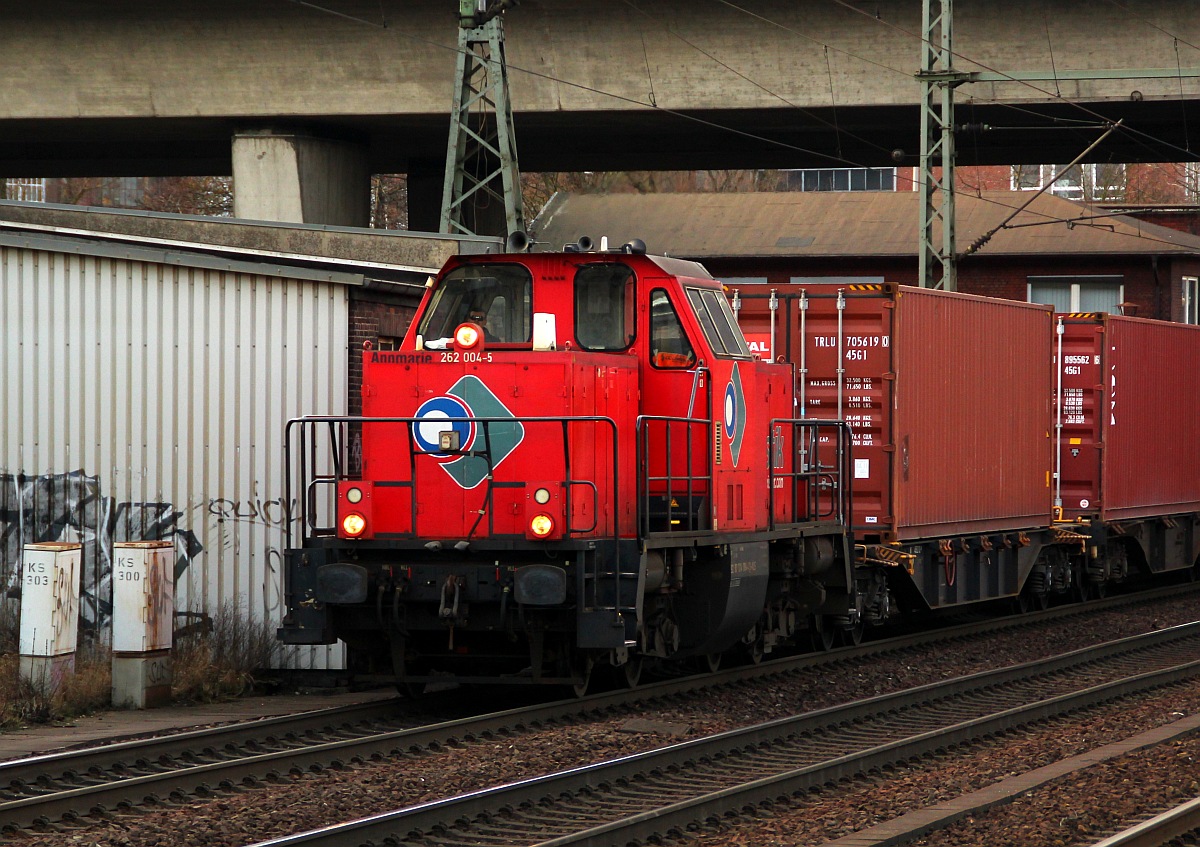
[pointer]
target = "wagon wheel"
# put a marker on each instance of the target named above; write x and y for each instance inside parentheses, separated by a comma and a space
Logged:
(1081, 587)
(823, 635)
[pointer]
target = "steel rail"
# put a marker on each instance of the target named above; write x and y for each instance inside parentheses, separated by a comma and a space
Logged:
(69, 783)
(335, 719)
(1160, 829)
(963, 710)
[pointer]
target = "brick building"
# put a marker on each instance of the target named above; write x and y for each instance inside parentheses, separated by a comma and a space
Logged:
(1074, 256)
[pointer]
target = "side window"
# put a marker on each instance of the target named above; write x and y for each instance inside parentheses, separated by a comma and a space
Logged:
(669, 346)
(604, 306)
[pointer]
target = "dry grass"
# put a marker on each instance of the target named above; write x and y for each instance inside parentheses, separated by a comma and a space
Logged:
(224, 661)
(220, 663)
(87, 690)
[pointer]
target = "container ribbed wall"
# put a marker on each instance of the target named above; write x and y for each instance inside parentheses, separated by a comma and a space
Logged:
(1151, 418)
(145, 400)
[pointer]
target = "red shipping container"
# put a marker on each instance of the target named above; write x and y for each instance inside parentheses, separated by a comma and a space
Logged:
(949, 397)
(1130, 417)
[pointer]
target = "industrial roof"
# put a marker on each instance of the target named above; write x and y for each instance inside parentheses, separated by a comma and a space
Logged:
(374, 252)
(862, 223)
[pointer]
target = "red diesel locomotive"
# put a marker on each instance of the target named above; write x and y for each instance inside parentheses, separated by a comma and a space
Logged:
(575, 462)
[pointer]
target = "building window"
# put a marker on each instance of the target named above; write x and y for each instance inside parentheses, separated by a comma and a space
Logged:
(387, 342)
(1191, 180)
(27, 190)
(1191, 300)
(1078, 293)
(1026, 177)
(842, 179)
(835, 280)
(1082, 182)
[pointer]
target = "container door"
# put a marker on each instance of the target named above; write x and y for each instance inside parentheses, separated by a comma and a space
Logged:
(1078, 442)
(843, 340)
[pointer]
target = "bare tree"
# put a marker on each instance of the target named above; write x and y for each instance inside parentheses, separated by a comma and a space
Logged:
(190, 195)
(389, 201)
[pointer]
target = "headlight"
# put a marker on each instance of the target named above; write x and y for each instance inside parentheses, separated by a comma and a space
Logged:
(541, 526)
(466, 336)
(354, 524)
(354, 495)
(541, 496)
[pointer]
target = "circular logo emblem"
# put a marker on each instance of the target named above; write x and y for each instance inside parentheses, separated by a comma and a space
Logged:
(1083, 504)
(437, 415)
(730, 410)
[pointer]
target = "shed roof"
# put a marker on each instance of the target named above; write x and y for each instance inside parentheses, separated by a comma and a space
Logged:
(821, 224)
(354, 250)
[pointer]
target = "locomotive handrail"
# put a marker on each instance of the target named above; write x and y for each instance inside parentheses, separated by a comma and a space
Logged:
(306, 446)
(811, 475)
(595, 501)
(696, 484)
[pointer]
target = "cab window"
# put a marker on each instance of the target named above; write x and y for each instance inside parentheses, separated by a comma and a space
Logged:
(498, 297)
(604, 306)
(716, 319)
(669, 345)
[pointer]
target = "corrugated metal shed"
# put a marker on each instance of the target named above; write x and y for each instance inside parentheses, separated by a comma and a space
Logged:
(830, 224)
(145, 391)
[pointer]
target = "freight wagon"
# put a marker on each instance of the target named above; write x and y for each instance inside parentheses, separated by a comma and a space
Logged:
(1127, 441)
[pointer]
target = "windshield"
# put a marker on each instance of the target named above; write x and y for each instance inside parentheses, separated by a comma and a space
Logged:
(497, 297)
(717, 321)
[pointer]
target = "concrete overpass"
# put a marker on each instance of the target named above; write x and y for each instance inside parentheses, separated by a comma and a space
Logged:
(134, 87)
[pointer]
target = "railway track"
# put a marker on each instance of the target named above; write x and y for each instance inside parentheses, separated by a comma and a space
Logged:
(67, 786)
(1178, 826)
(668, 790)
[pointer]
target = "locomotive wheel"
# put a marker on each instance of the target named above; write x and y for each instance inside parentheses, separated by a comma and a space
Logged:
(852, 635)
(823, 635)
(630, 673)
(410, 690)
(582, 671)
(755, 652)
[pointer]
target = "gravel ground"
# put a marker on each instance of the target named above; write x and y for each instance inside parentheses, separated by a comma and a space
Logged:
(308, 801)
(1078, 809)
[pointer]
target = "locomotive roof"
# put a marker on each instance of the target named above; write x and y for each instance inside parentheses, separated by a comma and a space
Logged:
(667, 264)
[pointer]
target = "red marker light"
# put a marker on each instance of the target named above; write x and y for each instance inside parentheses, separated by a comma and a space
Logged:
(468, 336)
(541, 526)
(354, 524)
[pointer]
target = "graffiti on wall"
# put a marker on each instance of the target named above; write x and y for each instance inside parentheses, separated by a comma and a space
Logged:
(72, 507)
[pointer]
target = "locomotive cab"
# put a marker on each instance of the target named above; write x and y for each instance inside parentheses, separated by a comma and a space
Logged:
(574, 459)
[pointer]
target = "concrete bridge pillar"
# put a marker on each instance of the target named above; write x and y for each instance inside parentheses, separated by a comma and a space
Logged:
(300, 178)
